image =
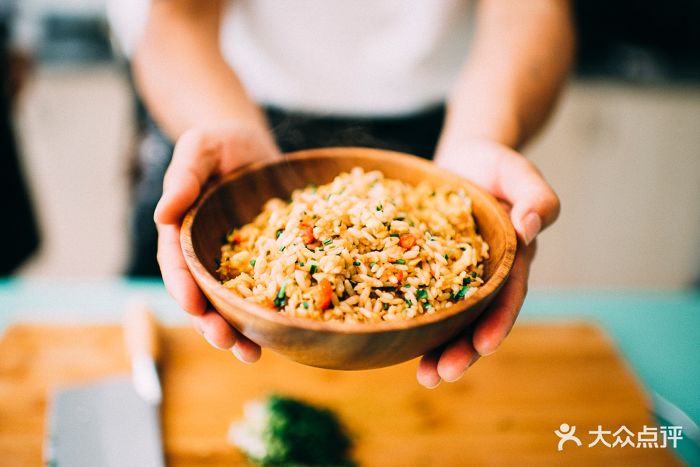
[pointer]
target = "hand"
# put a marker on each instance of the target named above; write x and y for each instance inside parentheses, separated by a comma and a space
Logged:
(533, 206)
(200, 154)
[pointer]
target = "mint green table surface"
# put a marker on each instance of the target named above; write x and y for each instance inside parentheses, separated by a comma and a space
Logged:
(656, 331)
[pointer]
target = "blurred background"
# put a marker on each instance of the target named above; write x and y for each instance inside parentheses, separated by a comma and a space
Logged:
(622, 150)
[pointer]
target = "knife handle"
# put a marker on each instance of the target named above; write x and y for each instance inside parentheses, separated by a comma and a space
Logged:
(141, 332)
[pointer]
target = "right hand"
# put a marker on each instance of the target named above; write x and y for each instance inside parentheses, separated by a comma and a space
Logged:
(201, 154)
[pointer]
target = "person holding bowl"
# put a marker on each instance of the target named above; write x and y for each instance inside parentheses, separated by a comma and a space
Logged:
(464, 83)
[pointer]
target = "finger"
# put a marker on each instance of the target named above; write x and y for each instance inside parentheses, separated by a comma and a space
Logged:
(456, 358)
(493, 327)
(176, 276)
(219, 334)
(246, 350)
(215, 330)
(192, 164)
(427, 373)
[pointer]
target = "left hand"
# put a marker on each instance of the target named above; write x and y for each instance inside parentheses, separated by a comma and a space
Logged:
(533, 206)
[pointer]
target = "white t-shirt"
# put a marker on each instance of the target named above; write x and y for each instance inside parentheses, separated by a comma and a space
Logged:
(341, 57)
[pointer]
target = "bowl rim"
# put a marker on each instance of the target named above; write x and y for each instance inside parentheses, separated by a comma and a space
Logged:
(206, 280)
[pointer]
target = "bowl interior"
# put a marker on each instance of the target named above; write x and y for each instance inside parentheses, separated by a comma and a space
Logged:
(239, 197)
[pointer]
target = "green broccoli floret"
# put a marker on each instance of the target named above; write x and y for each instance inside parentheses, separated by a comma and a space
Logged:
(284, 431)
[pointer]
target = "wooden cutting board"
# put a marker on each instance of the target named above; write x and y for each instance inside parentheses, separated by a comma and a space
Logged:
(504, 412)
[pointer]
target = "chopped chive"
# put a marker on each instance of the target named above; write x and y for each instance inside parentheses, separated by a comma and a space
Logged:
(422, 293)
(462, 292)
(281, 299)
(387, 289)
(301, 264)
(400, 218)
(306, 304)
(445, 256)
(409, 302)
(400, 261)
(380, 207)
(356, 263)
(283, 289)
(407, 286)
(282, 248)
(466, 281)
(463, 248)
(327, 241)
(427, 305)
(386, 306)
(252, 262)
(474, 274)
(394, 235)
(278, 233)
(313, 269)
(314, 216)
(321, 249)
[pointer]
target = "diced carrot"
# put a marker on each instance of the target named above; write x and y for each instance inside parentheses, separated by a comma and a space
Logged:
(325, 292)
(237, 239)
(307, 233)
(399, 275)
(407, 241)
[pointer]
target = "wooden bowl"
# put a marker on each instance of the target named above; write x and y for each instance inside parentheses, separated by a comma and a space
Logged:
(239, 197)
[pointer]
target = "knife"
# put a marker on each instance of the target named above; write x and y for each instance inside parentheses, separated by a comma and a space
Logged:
(112, 422)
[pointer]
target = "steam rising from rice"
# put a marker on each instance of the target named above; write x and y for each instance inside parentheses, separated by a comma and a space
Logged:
(362, 248)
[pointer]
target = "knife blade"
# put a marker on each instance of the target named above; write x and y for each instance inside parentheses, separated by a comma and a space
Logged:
(113, 422)
(103, 424)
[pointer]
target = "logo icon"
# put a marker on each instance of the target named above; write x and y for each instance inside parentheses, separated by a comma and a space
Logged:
(567, 433)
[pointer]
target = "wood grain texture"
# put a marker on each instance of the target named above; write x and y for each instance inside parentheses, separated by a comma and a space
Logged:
(502, 413)
(239, 197)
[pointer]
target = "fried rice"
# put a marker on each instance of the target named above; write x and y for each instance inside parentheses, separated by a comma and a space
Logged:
(363, 248)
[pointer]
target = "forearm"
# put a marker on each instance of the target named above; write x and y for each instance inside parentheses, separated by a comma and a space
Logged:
(520, 59)
(181, 74)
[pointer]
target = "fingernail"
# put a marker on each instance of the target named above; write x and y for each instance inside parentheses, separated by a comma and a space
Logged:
(457, 376)
(434, 385)
(474, 358)
(157, 211)
(211, 342)
(237, 352)
(485, 352)
(531, 225)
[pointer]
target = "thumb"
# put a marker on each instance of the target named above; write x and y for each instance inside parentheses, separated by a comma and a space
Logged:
(192, 164)
(507, 175)
(534, 203)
